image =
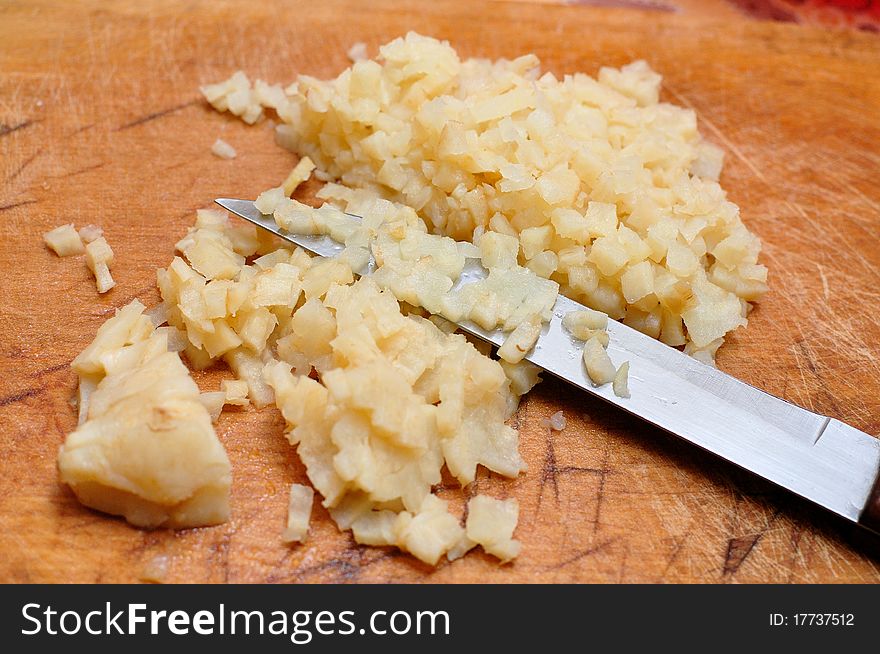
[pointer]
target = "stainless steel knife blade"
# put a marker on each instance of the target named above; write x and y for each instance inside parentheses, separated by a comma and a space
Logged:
(819, 458)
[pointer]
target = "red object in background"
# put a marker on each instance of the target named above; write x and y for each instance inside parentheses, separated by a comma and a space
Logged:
(859, 14)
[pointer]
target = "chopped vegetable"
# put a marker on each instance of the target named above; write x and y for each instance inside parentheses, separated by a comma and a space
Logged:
(491, 523)
(213, 402)
(358, 51)
(299, 511)
(223, 150)
(237, 96)
(235, 392)
(557, 421)
(99, 256)
(591, 185)
(584, 324)
(621, 378)
(608, 191)
(599, 367)
(388, 412)
(64, 241)
(146, 449)
(90, 233)
(156, 570)
(396, 397)
(520, 340)
(298, 175)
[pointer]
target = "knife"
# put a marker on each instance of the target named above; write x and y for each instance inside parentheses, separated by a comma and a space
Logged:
(817, 457)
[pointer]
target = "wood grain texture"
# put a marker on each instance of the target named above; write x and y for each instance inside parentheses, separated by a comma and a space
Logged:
(101, 122)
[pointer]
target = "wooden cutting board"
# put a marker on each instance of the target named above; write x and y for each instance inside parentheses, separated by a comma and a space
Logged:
(102, 123)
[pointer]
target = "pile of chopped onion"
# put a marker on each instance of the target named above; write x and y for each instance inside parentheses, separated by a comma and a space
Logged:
(609, 192)
(377, 401)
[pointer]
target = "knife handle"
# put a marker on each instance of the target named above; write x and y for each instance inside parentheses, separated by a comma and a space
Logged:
(870, 517)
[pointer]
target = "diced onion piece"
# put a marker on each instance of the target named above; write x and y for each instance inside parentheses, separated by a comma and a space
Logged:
(374, 528)
(583, 324)
(128, 325)
(238, 96)
(176, 338)
(64, 241)
(543, 264)
(621, 379)
(709, 161)
(298, 175)
(357, 52)
(156, 570)
(99, 256)
(87, 385)
(534, 240)
(235, 391)
(103, 280)
(498, 250)
(491, 523)
(299, 512)
(462, 547)
(601, 219)
(223, 150)
(430, 532)
(213, 402)
(523, 376)
(520, 341)
(635, 80)
(158, 315)
(269, 200)
(637, 282)
(599, 367)
(557, 421)
(90, 233)
(249, 368)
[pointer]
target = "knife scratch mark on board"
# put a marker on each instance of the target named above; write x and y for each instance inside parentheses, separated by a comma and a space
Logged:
(79, 171)
(738, 549)
(600, 492)
(827, 399)
(50, 369)
(84, 128)
(13, 205)
(345, 566)
(550, 470)
(9, 129)
(27, 162)
(574, 469)
(595, 549)
(804, 400)
(155, 115)
(21, 395)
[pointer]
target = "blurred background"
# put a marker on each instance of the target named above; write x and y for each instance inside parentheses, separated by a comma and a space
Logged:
(838, 14)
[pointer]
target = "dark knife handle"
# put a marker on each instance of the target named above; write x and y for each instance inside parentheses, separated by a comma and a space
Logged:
(870, 517)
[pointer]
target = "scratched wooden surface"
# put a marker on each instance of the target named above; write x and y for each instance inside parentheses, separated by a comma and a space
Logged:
(102, 123)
